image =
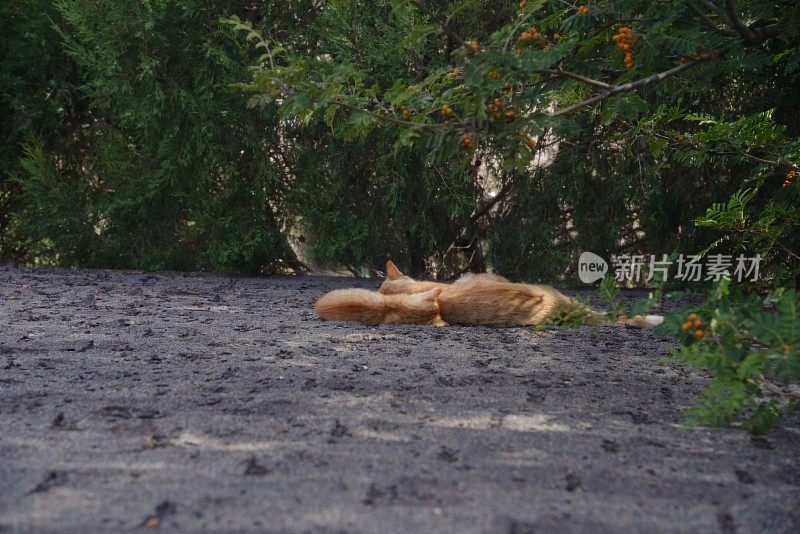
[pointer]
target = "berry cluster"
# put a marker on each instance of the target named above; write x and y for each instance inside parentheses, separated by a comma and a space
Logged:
(625, 39)
(531, 34)
(496, 110)
(700, 54)
(791, 175)
(446, 112)
(530, 142)
(583, 10)
(694, 323)
(468, 142)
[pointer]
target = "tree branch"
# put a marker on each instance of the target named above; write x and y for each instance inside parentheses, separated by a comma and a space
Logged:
(574, 76)
(438, 20)
(624, 88)
(708, 23)
(766, 32)
(747, 34)
(711, 5)
(477, 214)
(390, 119)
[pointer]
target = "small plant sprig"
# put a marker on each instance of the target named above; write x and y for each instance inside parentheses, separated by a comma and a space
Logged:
(749, 343)
(609, 293)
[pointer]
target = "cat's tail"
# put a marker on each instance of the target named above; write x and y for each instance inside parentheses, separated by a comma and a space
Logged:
(360, 305)
(640, 321)
(637, 321)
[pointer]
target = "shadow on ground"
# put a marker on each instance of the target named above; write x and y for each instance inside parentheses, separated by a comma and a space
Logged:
(197, 402)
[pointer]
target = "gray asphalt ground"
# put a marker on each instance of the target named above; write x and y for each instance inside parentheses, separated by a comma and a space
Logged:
(201, 402)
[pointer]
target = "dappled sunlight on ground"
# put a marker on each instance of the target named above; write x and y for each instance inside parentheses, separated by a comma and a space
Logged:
(224, 403)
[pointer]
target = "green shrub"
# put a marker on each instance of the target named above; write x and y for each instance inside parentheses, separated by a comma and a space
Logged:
(748, 343)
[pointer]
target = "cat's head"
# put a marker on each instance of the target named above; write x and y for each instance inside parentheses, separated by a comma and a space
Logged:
(396, 282)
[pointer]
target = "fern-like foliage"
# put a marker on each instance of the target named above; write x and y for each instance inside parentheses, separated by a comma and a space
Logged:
(750, 344)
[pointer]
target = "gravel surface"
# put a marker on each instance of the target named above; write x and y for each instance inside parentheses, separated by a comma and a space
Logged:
(200, 402)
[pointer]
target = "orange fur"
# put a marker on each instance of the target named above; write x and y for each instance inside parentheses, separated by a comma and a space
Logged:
(486, 299)
(480, 277)
(372, 308)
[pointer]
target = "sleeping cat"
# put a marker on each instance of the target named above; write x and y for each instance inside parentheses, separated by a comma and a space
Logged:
(475, 299)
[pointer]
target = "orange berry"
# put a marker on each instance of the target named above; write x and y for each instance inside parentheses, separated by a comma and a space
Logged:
(616, 38)
(510, 114)
(474, 46)
(467, 141)
(697, 323)
(556, 36)
(686, 326)
(699, 334)
(692, 317)
(446, 110)
(626, 47)
(406, 113)
(498, 101)
(493, 75)
(786, 185)
(526, 36)
(531, 142)
(522, 4)
(624, 29)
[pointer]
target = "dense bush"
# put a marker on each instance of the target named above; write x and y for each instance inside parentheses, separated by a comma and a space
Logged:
(147, 159)
(698, 114)
(124, 144)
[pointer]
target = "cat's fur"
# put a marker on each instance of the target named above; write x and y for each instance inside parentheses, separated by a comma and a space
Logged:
(372, 308)
(487, 299)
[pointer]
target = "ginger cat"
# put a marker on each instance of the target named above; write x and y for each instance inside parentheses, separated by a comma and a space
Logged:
(372, 308)
(487, 299)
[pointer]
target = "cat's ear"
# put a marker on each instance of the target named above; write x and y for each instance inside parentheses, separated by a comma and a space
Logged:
(431, 295)
(392, 272)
